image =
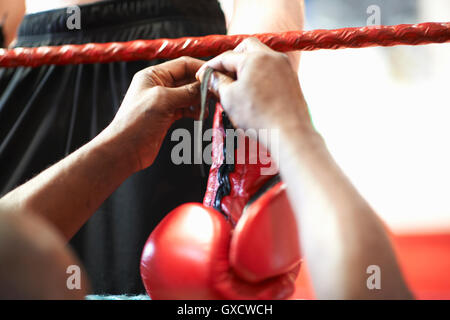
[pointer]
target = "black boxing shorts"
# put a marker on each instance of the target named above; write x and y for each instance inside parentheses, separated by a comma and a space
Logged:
(2, 37)
(50, 111)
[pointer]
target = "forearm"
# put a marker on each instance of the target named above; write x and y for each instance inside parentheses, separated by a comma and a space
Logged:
(69, 192)
(261, 16)
(11, 13)
(340, 234)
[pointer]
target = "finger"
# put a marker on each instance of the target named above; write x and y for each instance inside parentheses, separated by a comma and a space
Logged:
(228, 61)
(251, 45)
(193, 112)
(218, 83)
(232, 61)
(183, 96)
(176, 72)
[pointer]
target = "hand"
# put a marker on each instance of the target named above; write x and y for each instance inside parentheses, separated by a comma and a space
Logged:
(157, 97)
(266, 93)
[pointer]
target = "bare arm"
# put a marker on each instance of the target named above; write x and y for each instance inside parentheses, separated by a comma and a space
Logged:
(261, 16)
(69, 192)
(11, 13)
(340, 234)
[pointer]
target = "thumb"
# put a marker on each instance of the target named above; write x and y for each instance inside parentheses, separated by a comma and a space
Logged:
(183, 96)
(217, 81)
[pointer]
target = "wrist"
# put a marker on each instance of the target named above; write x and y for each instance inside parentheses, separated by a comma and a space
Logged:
(299, 140)
(119, 149)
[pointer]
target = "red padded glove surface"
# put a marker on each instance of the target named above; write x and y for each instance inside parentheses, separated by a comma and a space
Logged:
(245, 179)
(265, 241)
(186, 257)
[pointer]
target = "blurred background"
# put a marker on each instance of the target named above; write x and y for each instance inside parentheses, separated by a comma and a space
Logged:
(385, 112)
(385, 116)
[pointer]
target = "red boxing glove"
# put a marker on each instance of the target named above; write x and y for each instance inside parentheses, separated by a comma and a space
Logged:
(195, 252)
(230, 186)
(265, 241)
(187, 257)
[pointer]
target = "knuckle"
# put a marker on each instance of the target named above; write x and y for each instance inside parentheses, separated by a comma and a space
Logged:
(150, 73)
(227, 53)
(186, 59)
(250, 43)
(282, 57)
(266, 56)
(251, 40)
(158, 92)
(193, 90)
(138, 76)
(260, 57)
(152, 76)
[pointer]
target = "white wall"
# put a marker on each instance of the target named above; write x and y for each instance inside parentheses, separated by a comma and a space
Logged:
(385, 115)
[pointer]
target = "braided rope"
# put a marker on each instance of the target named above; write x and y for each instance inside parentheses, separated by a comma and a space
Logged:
(212, 45)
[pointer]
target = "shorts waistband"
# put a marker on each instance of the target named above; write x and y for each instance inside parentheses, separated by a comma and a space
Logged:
(113, 13)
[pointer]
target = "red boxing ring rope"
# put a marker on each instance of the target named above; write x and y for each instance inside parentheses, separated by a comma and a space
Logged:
(418, 34)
